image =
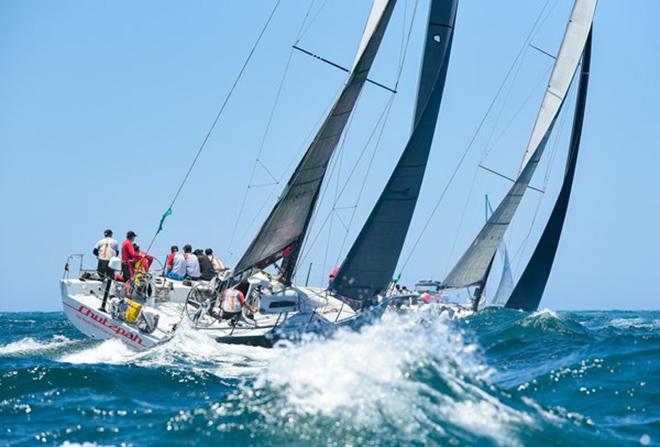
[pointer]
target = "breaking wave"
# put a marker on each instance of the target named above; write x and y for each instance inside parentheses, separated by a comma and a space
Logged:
(498, 377)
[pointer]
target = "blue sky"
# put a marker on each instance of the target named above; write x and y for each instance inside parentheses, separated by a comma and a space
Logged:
(103, 105)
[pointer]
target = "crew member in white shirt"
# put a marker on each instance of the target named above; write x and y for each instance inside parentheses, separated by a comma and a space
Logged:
(192, 263)
(105, 249)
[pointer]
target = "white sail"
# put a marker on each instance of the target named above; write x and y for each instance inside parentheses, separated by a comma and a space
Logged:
(473, 267)
(375, 16)
(562, 74)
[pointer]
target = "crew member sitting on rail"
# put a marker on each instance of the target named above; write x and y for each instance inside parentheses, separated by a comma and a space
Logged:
(128, 256)
(192, 263)
(178, 271)
(206, 270)
(144, 260)
(105, 249)
(169, 261)
(333, 275)
(232, 303)
(218, 266)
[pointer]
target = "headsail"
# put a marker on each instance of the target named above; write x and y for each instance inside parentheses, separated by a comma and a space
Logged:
(505, 285)
(473, 267)
(370, 264)
(529, 290)
(283, 232)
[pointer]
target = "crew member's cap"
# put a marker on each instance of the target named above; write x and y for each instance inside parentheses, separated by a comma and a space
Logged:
(107, 233)
(130, 234)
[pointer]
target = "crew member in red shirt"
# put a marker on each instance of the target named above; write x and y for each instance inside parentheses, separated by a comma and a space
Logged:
(128, 256)
(169, 261)
(143, 261)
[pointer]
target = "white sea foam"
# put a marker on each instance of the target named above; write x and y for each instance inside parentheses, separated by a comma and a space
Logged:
(367, 378)
(189, 348)
(545, 314)
(638, 322)
(30, 345)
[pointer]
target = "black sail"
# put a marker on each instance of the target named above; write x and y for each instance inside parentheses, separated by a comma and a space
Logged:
(371, 261)
(283, 232)
(529, 289)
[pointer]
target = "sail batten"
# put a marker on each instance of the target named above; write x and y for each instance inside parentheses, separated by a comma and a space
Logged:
(371, 261)
(472, 268)
(283, 232)
(528, 291)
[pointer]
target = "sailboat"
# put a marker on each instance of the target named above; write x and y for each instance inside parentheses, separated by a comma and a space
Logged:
(474, 267)
(284, 308)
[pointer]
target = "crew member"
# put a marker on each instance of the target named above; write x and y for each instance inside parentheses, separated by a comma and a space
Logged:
(170, 259)
(232, 304)
(333, 275)
(192, 263)
(128, 256)
(178, 271)
(206, 270)
(218, 266)
(143, 261)
(105, 249)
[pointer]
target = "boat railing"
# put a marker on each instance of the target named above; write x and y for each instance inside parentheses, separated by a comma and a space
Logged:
(80, 264)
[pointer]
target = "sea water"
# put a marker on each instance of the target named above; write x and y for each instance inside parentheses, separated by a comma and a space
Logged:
(409, 378)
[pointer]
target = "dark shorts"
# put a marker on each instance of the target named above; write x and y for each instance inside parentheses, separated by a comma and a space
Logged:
(103, 269)
(231, 315)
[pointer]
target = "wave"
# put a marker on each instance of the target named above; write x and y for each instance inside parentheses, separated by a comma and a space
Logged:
(188, 349)
(413, 378)
(32, 346)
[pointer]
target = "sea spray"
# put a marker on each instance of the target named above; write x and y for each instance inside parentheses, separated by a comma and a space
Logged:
(498, 377)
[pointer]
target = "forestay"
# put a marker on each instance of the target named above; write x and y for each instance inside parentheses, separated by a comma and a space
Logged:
(369, 265)
(529, 290)
(284, 230)
(473, 267)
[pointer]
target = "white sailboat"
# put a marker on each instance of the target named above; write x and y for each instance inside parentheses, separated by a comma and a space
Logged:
(284, 308)
(472, 270)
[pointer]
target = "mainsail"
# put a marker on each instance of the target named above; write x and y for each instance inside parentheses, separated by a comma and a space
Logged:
(529, 290)
(370, 263)
(473, 267)
(283, 232)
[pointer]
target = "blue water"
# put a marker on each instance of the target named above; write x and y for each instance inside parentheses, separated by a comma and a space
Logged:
(498, 378)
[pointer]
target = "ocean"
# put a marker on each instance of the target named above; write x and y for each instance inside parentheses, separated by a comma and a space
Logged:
(500, 378)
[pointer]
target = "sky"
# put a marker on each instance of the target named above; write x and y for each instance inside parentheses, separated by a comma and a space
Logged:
(104, 104)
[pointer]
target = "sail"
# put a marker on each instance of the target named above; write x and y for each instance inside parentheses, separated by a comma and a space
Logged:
(473, 267)
(282, 233)
(505, 285)
(529, 290)
(370, 263)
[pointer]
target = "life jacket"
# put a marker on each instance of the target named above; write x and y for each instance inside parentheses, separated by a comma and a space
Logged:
(231, 301)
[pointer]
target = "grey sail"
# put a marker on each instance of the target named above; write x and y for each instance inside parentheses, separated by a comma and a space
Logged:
(283, 232)
(505, 286)
(529, 289)
(370, 263)
(473, 267)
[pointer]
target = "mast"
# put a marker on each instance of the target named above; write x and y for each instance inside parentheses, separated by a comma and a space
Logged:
(473, 267)
(370, 263)
(529, 289)
(283, 232)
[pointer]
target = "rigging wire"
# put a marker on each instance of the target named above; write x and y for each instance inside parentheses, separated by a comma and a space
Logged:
(405, 41)
(257, 160)
(476, 133)
(551, 160)
(214, 123)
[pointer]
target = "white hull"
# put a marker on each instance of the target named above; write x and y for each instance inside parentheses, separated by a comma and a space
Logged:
(315, 311)
(81, 301)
